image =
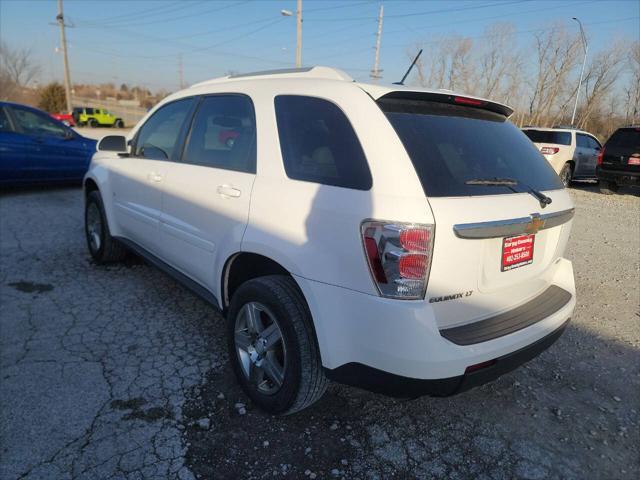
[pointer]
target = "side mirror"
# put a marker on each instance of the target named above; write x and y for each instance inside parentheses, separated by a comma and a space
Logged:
(113, 143)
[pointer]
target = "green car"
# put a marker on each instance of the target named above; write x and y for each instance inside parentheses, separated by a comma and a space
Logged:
(96, 117)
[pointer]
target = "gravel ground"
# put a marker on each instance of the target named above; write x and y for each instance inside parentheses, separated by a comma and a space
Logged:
(98, 133)
(118, 372)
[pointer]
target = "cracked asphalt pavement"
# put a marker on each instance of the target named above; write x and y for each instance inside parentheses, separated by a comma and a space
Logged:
(118, 372)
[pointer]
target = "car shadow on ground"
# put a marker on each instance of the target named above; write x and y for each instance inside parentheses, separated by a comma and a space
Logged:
(593, 187)
(563, 415)
(43, 188)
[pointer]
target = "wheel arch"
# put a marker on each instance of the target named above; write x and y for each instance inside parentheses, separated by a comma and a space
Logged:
(90, 185)
(243, 266)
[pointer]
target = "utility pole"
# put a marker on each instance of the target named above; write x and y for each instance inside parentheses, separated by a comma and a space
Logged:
(375, 73)
(299, 35)
(180, 71)
(63, 39)
(584, 62)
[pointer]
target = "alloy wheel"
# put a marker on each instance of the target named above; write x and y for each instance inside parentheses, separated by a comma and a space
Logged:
(260, 347)
(94, 226)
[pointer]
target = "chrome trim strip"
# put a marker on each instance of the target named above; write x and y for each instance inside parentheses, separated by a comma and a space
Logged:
(511, 227)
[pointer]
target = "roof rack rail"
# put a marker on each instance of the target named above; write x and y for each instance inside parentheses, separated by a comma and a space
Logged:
(320, 72)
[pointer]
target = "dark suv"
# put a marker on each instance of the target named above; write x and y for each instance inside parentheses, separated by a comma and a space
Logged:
(619, 160)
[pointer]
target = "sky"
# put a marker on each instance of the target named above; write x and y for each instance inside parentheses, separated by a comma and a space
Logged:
(143, 42)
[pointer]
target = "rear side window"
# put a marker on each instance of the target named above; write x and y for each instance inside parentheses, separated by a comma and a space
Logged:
(548, 136)
(626, 138)
(582, 141)
(319, 144)
(223, 134)
(454, 148)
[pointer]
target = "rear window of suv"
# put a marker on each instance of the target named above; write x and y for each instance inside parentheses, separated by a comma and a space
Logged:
(451, 145)
(625, 137)
(546, 136)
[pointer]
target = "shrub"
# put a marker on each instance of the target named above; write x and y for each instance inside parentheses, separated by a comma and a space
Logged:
(52, 98)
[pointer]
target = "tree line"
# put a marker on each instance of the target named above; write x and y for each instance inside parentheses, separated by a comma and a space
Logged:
(539, 81)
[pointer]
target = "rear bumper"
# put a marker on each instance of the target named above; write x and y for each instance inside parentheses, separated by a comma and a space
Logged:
(378, 381)
(359, 333)
(620, 177)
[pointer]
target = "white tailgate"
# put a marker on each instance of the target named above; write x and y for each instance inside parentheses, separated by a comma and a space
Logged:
(469, 269)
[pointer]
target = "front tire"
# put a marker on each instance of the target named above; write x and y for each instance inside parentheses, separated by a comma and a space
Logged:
(607, 187)
(102, 246)
(272, 345)
(118, 123)
(566, 174)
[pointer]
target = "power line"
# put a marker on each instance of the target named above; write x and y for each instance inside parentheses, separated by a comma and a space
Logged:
(139, 23)
(474, 20)
(429, 12)
(519, 32)
(146, 12)
(511, 14)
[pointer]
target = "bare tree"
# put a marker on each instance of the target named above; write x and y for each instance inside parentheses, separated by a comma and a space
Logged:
(498, 64)
(489, 68)
(601, 75)
(556, 58)
(632, 90)
(16, 71)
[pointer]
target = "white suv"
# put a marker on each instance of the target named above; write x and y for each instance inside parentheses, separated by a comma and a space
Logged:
(572, 153)
(402, 240)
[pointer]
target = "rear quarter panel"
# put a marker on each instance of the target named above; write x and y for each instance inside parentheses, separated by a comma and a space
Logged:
(314, 230)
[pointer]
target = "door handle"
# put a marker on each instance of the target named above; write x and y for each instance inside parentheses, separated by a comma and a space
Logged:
(155, 177)
(228, 191)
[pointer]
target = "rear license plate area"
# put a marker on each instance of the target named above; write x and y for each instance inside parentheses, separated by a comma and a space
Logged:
(517, 251)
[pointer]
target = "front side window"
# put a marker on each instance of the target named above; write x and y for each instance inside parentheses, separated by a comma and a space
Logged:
(5, 126)
(158, 137)
(34, 123)
(223, 134)
(455, 148)
(318, 143)
(88, 111)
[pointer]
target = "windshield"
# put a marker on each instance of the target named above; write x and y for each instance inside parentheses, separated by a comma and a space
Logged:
(451, 145)
(546, 136)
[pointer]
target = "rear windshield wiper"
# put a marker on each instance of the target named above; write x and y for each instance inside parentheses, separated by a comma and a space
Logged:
(510, 183)
(492, 181)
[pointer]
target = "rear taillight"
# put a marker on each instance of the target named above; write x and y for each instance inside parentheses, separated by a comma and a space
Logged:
(549, 150)
(399, 257)
(600, 156)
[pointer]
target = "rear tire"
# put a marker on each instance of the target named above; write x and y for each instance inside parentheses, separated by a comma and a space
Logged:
(293, 356)
(607, 187)
(118, 123)
(102, 246)
(93, 123)
(566, 174)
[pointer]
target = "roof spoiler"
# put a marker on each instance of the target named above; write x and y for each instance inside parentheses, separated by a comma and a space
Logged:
(451, 98)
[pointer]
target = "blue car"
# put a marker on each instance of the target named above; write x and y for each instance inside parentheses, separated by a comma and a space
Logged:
(37, 149)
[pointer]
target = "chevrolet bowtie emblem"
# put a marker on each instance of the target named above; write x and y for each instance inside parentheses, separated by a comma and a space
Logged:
(535, 225)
